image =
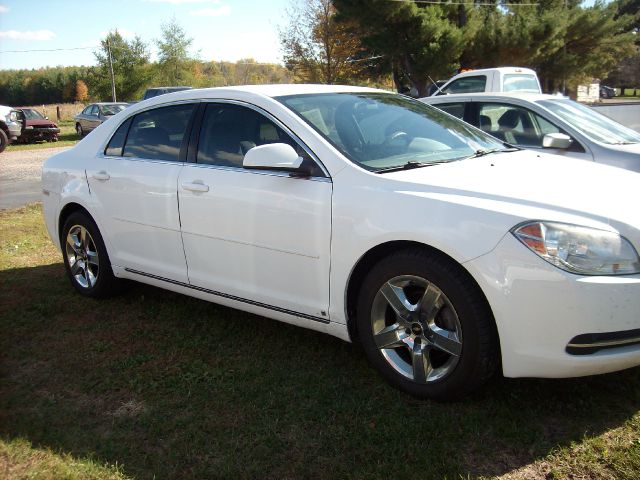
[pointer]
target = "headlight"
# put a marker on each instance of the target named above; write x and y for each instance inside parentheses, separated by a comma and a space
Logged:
(580, 250)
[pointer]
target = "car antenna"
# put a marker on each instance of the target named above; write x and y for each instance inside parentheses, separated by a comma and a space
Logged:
(435, 84)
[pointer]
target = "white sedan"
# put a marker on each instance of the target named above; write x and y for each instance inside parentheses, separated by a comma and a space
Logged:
(365, 215)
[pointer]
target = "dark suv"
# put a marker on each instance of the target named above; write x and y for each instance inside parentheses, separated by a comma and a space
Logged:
(155, 91)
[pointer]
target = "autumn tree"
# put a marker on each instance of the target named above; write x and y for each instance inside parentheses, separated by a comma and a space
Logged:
(316, 47)
(82, 92)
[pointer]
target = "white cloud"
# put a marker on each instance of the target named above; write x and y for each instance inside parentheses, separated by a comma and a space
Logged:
(28, 35)
(3, 9)
(220, 11)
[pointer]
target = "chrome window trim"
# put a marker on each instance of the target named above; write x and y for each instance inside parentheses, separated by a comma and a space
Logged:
(272, 173)
(280, 124)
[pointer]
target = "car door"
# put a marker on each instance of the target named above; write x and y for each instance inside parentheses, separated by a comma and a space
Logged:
(521, 126)
(256, 236)
(89, 120)
(133, 185)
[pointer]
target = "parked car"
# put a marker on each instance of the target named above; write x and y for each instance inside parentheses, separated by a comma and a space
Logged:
(96, 113)
(155, 91)
(365, 215)
(11, 125)
(501, 79)
(547, 122)
(607, 92)
(38, 127)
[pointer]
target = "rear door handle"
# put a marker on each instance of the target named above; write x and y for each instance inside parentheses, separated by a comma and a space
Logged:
(195, 186)
(101, 175)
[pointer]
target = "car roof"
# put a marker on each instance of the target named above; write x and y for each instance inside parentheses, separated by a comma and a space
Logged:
(532, 97)
(277, 90)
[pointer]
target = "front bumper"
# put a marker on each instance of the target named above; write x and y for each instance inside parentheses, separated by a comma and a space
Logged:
(543, 313)
(43, 133)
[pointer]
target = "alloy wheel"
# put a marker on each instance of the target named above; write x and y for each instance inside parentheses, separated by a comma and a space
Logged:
(82, 256)
(416, 329)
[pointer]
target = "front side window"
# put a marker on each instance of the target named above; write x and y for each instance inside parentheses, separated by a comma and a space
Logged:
(94, 110)
(517, 125)
(381, 131)
(87, 110)
(467, 85)
(158, 134)
(229, 131)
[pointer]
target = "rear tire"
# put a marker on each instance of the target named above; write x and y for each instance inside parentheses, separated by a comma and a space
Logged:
(426, 327)
(86, 259)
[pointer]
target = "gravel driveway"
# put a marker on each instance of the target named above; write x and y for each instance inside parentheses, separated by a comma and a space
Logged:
(20, 176)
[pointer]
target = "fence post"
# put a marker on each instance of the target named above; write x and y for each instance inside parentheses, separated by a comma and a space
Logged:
(58, 112)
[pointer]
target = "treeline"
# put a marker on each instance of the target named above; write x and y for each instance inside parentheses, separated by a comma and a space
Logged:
(565, 41)
(82, 84)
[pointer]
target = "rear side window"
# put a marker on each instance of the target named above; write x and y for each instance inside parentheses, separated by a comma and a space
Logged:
(455, 109)
(158, 134)
(114, 148)
(467, 85)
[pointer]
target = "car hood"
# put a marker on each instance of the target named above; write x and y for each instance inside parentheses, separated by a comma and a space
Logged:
(40, 123)
(527, 185)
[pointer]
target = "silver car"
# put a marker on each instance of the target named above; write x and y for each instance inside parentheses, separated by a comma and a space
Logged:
(96, 113)
(556, 124)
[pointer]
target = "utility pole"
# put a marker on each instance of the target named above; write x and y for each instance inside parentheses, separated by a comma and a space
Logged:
(113, 81)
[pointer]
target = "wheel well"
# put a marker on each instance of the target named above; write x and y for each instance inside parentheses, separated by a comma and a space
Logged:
(4, 128)
(67, 210)
(373, 256)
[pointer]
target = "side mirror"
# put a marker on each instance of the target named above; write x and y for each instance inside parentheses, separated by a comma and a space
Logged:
(556, 140)
(273, 156)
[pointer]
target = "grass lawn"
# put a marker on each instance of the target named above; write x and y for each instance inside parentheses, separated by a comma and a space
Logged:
(66, 137)
(157, 385)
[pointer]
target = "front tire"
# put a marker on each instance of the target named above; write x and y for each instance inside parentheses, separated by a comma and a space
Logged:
(85, 257)
(79, 130)
(4, 140)
(426, 327)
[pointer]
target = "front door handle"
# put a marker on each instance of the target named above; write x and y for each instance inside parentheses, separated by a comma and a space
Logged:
(102, 176)
(195, 186)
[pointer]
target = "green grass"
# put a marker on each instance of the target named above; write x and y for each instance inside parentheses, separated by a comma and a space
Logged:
(66, 137)
(153, 384)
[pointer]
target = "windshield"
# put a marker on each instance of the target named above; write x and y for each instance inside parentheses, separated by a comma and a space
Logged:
(112, 109)
(591, 123)
(520, 82)
(381, 131)
(31, 114)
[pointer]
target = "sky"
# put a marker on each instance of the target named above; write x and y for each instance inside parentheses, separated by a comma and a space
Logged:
(221, 29)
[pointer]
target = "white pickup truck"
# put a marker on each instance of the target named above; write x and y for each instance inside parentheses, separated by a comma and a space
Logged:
(501, 79)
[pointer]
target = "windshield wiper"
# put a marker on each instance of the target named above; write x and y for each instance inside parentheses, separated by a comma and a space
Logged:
(482, 152)
(407, 166)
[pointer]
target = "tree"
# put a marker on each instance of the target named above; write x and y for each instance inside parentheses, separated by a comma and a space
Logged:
(317, 48)
(174, 61)
(82, 92)
(130, 60)
(415, 40)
